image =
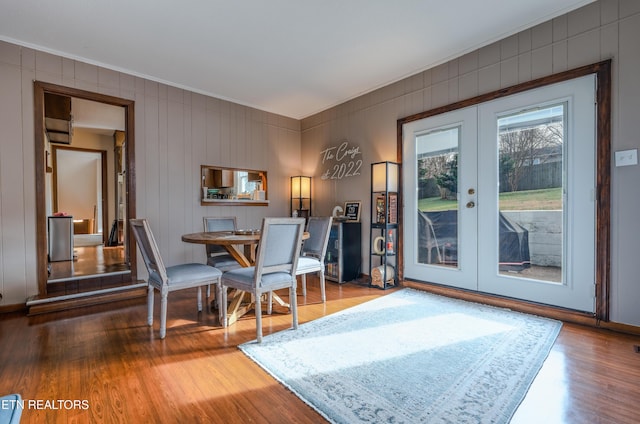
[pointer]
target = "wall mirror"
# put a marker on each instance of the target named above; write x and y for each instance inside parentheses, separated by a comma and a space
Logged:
(232, 186)
(85, 193)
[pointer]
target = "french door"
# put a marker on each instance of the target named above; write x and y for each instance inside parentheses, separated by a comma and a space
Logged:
(499, 197)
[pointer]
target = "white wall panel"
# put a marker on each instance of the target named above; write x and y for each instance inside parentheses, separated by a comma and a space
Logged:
(542, 35)
(509, 72)
(584, 19)
(626, 193)
(581, 51)
(12, 212)
(560, 57)
(524, 67)
(627, 7)
(28, 183)
(509, 47)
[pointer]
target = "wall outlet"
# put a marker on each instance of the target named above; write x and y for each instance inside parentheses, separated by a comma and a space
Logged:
(627, 157)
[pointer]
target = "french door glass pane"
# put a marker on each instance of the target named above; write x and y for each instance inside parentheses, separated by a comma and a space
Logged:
(531, 150)
(437, 165)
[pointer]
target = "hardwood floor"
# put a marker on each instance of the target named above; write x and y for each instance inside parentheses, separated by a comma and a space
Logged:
(90, 260)
(95, 268)
(115, 366)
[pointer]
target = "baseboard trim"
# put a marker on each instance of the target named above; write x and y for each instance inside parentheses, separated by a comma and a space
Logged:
(561, 314)
(78, 300)
(18, 307)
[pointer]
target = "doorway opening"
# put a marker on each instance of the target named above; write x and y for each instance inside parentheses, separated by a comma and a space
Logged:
(84, 172)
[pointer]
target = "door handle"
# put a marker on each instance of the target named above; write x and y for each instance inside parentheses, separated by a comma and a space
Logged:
(470, 205)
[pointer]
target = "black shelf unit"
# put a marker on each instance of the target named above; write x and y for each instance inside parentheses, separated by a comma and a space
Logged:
(344, 252)
(383, 231)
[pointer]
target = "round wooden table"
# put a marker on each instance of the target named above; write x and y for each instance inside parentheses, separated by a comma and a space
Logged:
(231, 240)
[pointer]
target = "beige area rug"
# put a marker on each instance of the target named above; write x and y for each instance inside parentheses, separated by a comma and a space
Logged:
(411, 357)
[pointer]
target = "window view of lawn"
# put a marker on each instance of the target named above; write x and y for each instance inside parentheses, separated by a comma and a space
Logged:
(544, 199)
(529, 219)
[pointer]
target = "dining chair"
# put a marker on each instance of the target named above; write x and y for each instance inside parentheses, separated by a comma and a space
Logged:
(275, 268)
(168, 279)
(11, 408)
(313, 252)
(217, 256)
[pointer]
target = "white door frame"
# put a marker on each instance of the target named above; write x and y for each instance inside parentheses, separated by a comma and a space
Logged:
(602, 70)
(464, 275)
(577, 290)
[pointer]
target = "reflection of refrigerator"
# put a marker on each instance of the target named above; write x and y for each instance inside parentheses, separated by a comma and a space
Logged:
(60, 238)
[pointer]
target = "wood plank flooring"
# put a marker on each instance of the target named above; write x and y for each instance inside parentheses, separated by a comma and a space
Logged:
(95, 268)
(90, 260)
(108, 359)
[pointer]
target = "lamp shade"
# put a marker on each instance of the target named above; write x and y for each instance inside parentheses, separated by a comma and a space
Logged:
(301, 196)
(384, 176)
(300, 187)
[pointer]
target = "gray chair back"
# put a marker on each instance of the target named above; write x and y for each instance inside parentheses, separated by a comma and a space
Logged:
(318, 228)
(279, 247)
(149, 250)
(224, 223)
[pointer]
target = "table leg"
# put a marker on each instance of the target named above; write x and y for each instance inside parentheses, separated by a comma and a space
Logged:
(243, 260)
(238, 305)
(279, 301)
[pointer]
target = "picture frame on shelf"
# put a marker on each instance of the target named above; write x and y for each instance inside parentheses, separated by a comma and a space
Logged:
(352, 211)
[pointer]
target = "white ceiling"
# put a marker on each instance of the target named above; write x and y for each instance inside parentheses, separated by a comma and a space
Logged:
(291, 57)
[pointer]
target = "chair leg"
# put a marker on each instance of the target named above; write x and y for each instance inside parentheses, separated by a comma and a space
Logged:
(163, 314)
(200, 298)
(222, 306)
(322, 286)
(304, 284)
(150, 305)
(269, 303)
(293, 304)
(208, 291)
(221, 318)
(258, 318)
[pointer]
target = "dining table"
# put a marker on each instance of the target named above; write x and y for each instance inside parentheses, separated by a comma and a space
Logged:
(240, 244)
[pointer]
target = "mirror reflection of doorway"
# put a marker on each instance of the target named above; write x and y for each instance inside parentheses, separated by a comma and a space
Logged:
(82, 189)
(83, 158)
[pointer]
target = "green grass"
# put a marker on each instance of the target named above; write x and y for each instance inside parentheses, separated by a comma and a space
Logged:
(545, 199)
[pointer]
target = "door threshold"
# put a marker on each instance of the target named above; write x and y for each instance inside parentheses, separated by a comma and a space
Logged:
(88, 276)
(37, 305)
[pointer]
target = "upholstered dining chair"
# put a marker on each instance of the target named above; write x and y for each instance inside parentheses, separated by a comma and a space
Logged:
(168, 279)
(217, 256)
(313, 252)
(11, 409)
(275, 268)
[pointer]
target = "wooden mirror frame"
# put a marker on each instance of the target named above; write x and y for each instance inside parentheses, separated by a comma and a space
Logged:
(39, 89)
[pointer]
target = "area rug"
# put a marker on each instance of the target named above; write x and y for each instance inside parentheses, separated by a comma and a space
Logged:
(411, 357)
